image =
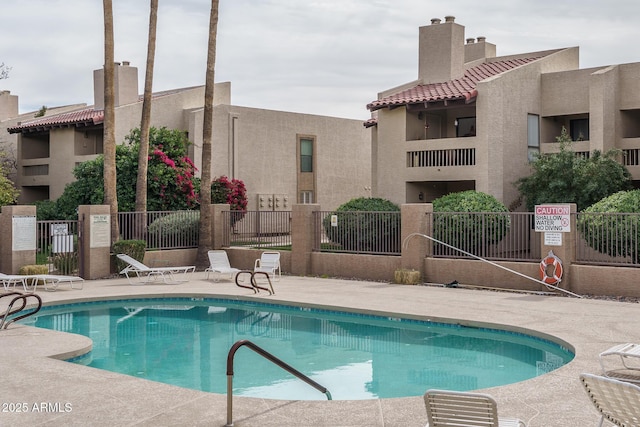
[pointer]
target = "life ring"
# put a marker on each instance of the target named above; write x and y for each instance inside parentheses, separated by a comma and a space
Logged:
(553, 260)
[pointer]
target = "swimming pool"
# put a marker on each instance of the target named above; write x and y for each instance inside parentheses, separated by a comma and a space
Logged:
(185, 341)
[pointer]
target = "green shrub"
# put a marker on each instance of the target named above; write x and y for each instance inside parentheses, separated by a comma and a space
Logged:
(134, 248)
(464, 228)
(182, 226)
(358, 230)
(614, 235)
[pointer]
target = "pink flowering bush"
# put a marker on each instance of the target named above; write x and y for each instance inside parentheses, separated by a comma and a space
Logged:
(232, 192)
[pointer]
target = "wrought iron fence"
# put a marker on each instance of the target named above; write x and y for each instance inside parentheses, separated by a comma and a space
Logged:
(608, 238)
(257, 229)
(506, 236)
(357, 232)
(161, 229)
(57, 246)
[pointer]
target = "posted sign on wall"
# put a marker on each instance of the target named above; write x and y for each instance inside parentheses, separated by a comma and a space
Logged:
(553, 218)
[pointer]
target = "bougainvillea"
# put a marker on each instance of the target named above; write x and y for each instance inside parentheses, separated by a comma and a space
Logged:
(232, 192)
(228, 191)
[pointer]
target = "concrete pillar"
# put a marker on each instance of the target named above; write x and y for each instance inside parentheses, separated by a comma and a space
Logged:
(416, 218)
(566, 250)
(302, 237)
(218, 228)
(95, 241)
(18, 231)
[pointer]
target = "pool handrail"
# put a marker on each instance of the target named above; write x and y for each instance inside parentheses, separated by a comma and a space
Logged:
(271, 358)
(4, 323)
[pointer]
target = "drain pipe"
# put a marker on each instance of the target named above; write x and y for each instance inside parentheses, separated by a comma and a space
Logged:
(412, 235)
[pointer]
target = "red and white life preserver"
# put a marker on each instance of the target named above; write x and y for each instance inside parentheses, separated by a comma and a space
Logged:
(553, 260)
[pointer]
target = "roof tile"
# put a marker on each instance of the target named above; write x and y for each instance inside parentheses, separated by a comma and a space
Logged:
(464, 88)
(84, 117)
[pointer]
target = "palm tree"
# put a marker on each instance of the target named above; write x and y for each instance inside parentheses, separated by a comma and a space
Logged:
(110, 194)
(207, 132)
(145, 124)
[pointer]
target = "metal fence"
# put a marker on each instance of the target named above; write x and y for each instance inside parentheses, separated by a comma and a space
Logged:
(608, 238)
(57, 246)
(357, 232)
(499, 236)
(257, 229)
(161, 229)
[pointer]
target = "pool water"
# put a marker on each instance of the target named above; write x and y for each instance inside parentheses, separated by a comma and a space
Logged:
(185, 342)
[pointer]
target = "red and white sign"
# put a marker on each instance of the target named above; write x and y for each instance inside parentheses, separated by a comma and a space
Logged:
(553, 218)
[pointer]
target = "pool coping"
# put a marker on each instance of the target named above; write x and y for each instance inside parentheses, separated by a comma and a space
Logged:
(104, 398)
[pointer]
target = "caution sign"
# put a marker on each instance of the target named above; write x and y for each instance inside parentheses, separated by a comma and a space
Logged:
(553, 218)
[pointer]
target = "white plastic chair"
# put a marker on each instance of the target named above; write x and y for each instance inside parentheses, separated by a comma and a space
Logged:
(269, 262)
(455, 408)
(219, 265)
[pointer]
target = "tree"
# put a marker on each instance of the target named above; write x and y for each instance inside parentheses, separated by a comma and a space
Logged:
(8, 192)
(171, 183)
(207, 133)
(109, 126)
(234, 193)
(612, 225)
(4, 71)
(564, 177)
(476, 219)
(358, 230)
(145, 124)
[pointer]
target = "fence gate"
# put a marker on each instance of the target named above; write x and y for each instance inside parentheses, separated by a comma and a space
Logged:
(57, 246)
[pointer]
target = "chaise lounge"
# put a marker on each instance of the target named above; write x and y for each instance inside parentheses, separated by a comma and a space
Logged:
(145, 274)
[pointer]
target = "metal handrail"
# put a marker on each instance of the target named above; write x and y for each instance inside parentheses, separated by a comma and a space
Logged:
(269, 357)
(11, 310)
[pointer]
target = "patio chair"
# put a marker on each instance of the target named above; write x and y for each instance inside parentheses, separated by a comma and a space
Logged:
(628, 367)
(617, 401)
(455, 408)
(219, 265)
(145, 274)
(14, 279)
(269, 262)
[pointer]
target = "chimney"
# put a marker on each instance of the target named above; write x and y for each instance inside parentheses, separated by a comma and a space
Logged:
(441, 51)
(479, 50)
(125, 82)
(8, 105)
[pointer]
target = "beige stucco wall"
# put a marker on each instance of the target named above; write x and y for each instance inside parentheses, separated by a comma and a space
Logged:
(259, 147)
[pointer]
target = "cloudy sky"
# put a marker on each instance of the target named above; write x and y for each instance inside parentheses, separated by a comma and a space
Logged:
(328, 57)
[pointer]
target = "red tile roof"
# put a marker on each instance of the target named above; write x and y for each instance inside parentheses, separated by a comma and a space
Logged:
(84, 117)
(464, 88)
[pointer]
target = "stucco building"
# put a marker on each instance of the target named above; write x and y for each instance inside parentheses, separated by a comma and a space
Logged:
(472, 120)
(282, 157)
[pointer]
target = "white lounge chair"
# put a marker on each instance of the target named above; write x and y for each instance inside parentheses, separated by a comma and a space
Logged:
(455, 408)
(269, 262)
(617, 401)
(30, 282)
(13, 280)
(145, 274)
(628, 368)
(219, 265)
(52, 281)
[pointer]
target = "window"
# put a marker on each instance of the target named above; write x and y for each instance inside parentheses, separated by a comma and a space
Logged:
(533, 136)
(306, 155)
(306, 197)
(465, 126)
(579, 129)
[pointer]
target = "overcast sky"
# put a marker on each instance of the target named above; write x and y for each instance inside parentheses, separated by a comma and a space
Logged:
(328, 57)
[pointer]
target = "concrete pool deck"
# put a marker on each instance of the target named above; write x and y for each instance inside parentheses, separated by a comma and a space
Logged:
(37, 389)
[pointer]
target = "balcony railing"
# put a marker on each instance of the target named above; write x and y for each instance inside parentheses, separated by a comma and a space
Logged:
(441, 158)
